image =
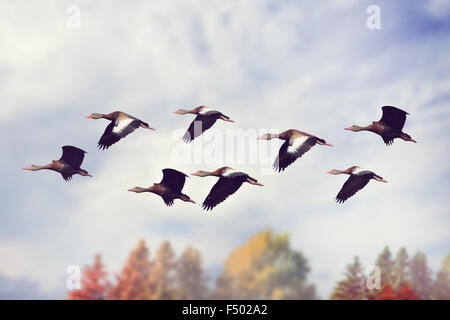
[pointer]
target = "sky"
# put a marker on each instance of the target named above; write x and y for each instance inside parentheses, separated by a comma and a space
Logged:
(270, 66)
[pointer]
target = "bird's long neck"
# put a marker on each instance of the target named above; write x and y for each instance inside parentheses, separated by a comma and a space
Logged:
(209, 173)
(336, 171)
(184, 111)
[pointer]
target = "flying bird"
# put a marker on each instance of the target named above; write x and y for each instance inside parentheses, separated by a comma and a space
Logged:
(358, 179)
(68, 165)
(296, 144)
(389, 127)
(121, 125)
(169, 188)
(205, 119)
(230, 180)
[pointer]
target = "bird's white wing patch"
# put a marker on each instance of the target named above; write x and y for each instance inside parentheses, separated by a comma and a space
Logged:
(122, 124)
(228, 172)
(297, 144)
(358, 170)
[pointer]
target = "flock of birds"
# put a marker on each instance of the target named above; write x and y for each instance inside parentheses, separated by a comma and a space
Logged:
(296, 143)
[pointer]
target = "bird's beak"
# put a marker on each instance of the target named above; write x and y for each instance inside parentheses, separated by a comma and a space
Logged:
(382, 180)
(132, 189)
(26, 168)
(229, 120)
(330, 172)
(328, 144)
(89, 116)
(190, 200)
(89, 175)
(195, 174)
(258, 184)
(260, 138)
(177, 112)
(349, 128)
(412, 140)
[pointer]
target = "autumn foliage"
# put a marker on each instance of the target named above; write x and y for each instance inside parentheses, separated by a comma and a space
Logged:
(264, 267)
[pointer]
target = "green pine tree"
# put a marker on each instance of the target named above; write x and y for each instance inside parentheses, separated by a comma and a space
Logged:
(354, 284)
(400, 269)
(420, 280)
(441, 286)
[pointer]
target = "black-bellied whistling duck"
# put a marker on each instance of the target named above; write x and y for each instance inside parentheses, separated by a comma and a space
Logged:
(121, 125)
(169, 188)
(389, 127)
(358, 179)
(295, 145)
(230, 180)
(68, 165)
(204, 120)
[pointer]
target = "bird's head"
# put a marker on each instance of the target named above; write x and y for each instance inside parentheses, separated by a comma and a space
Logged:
(33, 167)
(94, 116)
(137, 189)
(354, 128)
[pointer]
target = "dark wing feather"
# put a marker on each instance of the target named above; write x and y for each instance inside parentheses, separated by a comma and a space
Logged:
(109, 137)
(388, 140)
(72, 156)
(66, 176)
(173, 179)
(223, 188)
(200, 124)
(394, 117)
(351, 186)
(168, 200)
(285, 158)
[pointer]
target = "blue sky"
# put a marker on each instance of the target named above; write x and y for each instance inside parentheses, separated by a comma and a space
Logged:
(268, 65)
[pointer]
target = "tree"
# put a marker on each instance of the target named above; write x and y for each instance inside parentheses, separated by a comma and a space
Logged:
(94, 283)
(387, 293)
(405, 292)
(385, 263)
(162, 272)
(420, 280)
(441, 286)
(353, 286)
(189, 276)
(265, 268)
(134, 280)
(400, 269)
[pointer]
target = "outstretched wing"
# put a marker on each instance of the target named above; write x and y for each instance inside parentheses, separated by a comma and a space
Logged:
(289, 153)
(117, 130)
(353, 184)
(200, 124)
(72, 156)
(394, 117)
(173, 179)
(223, 188)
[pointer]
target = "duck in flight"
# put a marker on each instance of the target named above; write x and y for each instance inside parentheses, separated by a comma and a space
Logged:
(121, 125)
(205, 119)
(358, 179)
(389, 127)
(296, 144)
(68, 165)
(230, 180)
(169, 188)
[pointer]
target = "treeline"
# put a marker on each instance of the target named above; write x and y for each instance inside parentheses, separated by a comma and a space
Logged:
(401, 278)
(265, 267)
